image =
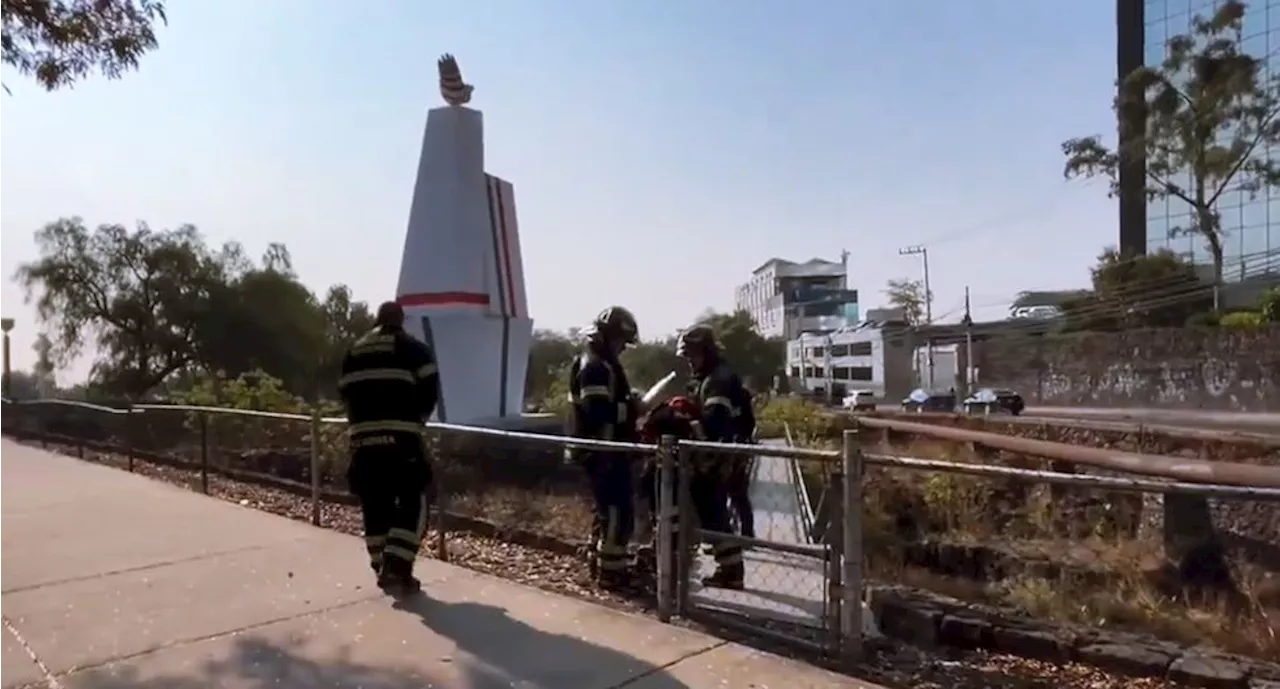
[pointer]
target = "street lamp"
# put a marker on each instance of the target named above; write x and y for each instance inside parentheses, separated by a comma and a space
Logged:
(6, 324)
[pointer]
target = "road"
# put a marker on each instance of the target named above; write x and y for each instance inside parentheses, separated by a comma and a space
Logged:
(112, 580)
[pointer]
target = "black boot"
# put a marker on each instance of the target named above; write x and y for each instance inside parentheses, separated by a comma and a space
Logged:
(728, 577)
(397, 579)
(617, 581)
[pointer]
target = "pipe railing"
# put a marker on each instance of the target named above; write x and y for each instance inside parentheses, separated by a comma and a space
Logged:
(803, 501)
(1161, 466)
(844, 557)
(1205, 434)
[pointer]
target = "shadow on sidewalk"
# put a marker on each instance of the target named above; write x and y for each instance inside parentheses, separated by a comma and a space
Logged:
(258, 663)
(504, 653)
(519, 655)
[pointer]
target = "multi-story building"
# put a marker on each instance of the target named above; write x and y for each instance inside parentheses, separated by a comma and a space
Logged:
(872, 356)
(787, 298)
(1251, 226)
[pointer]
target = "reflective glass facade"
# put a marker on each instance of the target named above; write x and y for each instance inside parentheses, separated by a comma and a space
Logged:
(1251, 227)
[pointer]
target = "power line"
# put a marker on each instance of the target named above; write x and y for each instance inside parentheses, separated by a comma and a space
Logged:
(1142, 296)
(1136, 287)
(1045, 203)
(1187, 295)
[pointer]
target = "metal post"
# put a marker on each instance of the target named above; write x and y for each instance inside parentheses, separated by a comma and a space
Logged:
(968, 346)
(928, 315)
(6, 324)
(131, 435)
(435, 443)
(204, 452)
(686, 523)
(833, 537)
(315, 464)
(851, 603)
(8, 370)
(665, 554)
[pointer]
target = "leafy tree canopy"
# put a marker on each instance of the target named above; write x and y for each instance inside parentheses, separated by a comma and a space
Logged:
(59, 42)
(908, 295)
(1211, 117)
(166, 315)
(1159, 290)
(160, 306)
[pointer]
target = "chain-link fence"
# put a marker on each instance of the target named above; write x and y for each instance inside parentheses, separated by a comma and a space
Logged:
(758, 570)
(983, 527)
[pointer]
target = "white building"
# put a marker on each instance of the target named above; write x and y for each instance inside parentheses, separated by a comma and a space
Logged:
(946, 367)
(787, 298)
(867, 357)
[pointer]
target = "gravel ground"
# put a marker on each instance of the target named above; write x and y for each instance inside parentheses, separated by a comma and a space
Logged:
(892, 664)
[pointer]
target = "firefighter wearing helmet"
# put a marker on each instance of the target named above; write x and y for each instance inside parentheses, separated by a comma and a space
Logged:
(727, 417)
(604, 408)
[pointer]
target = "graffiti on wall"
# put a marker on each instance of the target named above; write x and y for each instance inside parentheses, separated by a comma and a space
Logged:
(1176, 369)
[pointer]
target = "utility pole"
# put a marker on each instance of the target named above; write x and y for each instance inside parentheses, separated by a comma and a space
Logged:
(6, 324)
(968, 345)
(827, 371)
(923, 253)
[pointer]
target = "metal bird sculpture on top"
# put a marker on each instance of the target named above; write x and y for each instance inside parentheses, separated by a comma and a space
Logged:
(455, 91)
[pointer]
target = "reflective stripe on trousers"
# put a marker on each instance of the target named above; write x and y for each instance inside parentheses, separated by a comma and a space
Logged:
(403, 543)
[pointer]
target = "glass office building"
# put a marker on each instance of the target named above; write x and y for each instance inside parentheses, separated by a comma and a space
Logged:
(1251, 226)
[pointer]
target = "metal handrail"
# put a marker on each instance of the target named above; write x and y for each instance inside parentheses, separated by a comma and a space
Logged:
(1208, 433)
(752, 450)
(1161, 466)
(223, 410)
(1267, 440)
(802, 490)
(561, 440)
(1135, 485)
(846, 547)
(70, 403)
(1219, 479)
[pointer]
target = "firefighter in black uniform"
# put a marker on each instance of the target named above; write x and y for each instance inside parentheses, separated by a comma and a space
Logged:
(605, 409)
(726, 418)
(739, 484)
(390, 386)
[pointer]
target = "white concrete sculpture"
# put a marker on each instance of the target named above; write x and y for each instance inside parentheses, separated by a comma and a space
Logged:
(461, 275)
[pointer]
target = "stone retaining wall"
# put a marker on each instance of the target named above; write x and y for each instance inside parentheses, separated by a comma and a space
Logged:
(1211, 369)
(931, 620)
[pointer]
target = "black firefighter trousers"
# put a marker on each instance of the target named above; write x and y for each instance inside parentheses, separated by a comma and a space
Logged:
(612, 489)
(739, 489)
(392, 487)
(709, 492)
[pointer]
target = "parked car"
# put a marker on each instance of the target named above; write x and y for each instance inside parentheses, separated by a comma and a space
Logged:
(921, 400)
(994, 400)
(859, 400)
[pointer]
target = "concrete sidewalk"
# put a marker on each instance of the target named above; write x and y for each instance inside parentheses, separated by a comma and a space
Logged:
(112, 581)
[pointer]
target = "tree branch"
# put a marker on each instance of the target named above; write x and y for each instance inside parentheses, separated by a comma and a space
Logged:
(1172, 189)
(1245, 157)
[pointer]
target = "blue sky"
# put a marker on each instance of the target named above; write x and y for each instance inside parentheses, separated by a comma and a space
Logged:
(660, 151)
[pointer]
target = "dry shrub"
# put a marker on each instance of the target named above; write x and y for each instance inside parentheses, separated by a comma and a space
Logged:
(1082, 554)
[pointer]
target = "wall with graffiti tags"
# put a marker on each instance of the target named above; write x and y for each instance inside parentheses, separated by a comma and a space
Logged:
(1176, 369)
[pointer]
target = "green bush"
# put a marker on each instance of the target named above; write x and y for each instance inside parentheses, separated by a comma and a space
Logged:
(1241, 319)
(237, 437)
(809, 422)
